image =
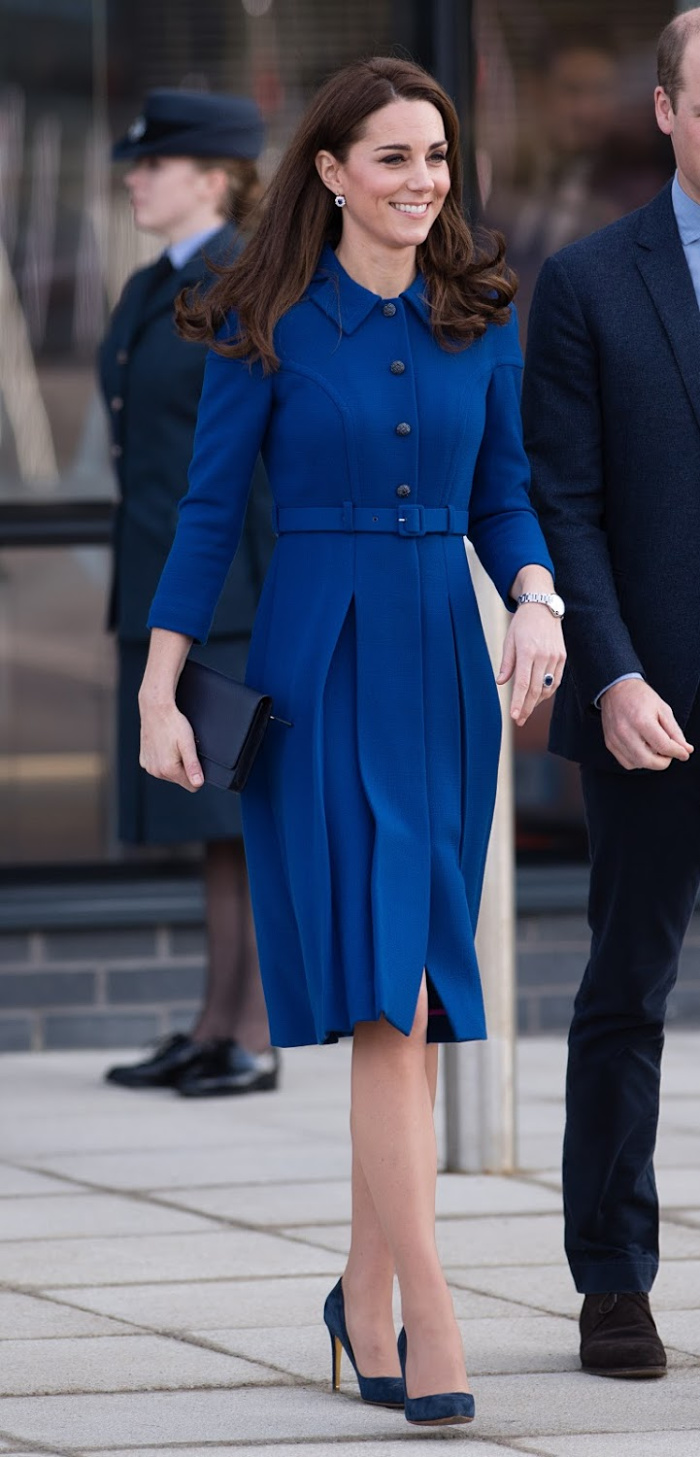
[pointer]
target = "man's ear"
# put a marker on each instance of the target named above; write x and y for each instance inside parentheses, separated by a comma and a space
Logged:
(664, 111)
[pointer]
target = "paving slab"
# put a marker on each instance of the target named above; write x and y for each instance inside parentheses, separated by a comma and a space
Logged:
(75, 1215)
(33, 1138)
(571, 1403)
(127, 1259)
(642, 1444)
(123, 1363)
(361, 1448)
(159, 1322)
(176, 1168)
(288, 1204)
(500, 1240)
(208, 1304)
(234, 1304)
(538, 1151)
(27, 1318)
(491, 1346)
(16, 1181)
(680, 1329)
(510, 1409)
(546, 1289)
(177, 1418)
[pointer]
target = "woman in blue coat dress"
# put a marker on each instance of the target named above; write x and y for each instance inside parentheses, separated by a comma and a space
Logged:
(371, 353)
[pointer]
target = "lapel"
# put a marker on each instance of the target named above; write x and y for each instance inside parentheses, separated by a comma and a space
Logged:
(150, 303)
(662, 264)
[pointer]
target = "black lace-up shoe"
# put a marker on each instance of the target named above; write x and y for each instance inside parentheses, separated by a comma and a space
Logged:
(619, 1338)
(226, 1068)
(162, 1069)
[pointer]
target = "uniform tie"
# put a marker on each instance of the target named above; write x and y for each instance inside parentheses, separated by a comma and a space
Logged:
(162, 269)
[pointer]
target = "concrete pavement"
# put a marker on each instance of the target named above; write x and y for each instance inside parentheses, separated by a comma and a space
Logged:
(163, 1267)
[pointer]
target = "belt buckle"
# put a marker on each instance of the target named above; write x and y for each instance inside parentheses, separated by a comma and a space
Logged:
(411, 522)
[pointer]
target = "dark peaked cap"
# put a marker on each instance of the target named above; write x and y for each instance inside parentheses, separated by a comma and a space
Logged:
(192, 124)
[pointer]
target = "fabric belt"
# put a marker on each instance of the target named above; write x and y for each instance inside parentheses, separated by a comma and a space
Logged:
(398, 520)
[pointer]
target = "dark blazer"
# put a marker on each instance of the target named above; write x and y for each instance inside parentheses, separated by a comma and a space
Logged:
(611, 405)
(152, 380)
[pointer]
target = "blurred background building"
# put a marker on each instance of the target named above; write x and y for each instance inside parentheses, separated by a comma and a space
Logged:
(556, 99)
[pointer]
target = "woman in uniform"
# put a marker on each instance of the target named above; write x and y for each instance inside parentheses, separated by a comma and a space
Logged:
(371, 352)
(192, 180)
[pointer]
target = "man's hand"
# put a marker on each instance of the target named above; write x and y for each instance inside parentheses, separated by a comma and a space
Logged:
(639, 727)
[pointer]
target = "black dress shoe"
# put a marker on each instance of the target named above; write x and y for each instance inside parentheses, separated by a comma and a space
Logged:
(225, 1068)
(619, 1338)
(163, 1069)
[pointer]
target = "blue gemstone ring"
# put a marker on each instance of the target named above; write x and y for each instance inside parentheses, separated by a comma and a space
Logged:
(548, 680)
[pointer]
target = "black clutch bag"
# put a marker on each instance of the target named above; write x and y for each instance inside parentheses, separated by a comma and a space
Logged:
(228, 719)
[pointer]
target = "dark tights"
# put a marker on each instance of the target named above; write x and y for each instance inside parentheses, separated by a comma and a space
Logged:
(234, 1006)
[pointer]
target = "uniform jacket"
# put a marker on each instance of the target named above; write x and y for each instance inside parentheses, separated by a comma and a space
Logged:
(152, 380)
(611, 405)
(366, 822)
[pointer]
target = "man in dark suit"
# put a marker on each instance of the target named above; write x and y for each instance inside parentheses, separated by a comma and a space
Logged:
(612, 422)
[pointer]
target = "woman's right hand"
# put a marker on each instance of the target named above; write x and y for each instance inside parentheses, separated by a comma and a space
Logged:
(168, 748)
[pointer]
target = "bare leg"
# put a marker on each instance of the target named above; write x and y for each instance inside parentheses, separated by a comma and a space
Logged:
(368, 1278)
(394, 1142)
(234, 1006)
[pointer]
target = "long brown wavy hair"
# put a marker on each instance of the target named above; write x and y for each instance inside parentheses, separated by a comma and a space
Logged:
(468, 288)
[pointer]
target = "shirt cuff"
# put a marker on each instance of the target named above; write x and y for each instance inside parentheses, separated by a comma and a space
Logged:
(624, 678)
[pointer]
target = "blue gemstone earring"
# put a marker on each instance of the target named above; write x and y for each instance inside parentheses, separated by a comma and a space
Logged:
(340, 200)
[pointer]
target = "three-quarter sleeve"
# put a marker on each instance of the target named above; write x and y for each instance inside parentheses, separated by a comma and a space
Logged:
(503, 526)
(233, 414)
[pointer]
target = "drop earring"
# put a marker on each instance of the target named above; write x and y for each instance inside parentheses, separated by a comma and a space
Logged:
(340, 200)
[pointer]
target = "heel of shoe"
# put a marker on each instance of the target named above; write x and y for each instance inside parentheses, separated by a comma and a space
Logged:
(377, 1390)
(336, 1358)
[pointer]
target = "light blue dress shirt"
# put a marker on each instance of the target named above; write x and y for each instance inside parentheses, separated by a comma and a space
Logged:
(688, 219)
(181, 252)
(687, 214)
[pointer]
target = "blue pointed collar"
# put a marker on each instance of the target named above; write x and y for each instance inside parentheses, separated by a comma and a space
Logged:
(347, 303)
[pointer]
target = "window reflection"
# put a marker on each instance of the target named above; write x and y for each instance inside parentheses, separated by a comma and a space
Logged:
(73, 75)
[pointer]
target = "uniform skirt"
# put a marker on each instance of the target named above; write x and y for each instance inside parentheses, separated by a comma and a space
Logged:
(151, 811)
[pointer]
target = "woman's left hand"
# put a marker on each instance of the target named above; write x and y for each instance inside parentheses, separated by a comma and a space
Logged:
(534, 648)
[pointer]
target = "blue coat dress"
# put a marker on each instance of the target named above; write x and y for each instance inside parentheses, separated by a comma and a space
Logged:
(366, 823)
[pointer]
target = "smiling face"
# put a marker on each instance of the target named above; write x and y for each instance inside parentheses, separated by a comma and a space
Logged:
(173, 197)
(395, 178)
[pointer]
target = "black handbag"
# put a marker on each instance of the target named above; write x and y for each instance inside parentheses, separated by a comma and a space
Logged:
(228, 719)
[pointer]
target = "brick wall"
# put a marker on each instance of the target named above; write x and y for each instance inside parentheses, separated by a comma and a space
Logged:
(106, 987)
(122, 967)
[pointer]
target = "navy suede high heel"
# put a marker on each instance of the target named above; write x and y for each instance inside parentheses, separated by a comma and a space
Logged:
(380, 1390)
(435, 1411)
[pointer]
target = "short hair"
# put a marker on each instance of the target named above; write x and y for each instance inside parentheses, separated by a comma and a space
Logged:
(672, 45)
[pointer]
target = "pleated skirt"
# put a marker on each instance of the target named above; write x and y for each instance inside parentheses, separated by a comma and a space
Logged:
(367, 821)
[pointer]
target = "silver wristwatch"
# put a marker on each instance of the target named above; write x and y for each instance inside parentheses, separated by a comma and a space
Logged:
(552, 600)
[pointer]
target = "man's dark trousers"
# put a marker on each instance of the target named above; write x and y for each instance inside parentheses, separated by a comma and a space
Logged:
(644, 832)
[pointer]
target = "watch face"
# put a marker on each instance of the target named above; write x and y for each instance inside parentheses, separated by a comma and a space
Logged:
(556, 605)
